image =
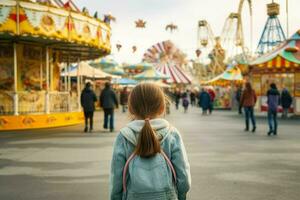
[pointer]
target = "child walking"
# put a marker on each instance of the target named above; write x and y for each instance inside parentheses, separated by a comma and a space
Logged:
(149, 158)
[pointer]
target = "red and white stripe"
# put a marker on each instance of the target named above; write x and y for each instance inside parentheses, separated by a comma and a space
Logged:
(70, 4)
(175, 73)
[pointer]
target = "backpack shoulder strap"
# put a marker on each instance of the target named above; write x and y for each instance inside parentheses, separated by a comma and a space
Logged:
(170, 165)
(132, 156)
(125, 170)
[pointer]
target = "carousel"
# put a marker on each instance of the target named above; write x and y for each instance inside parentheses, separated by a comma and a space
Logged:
(282, 67)
(35, 38)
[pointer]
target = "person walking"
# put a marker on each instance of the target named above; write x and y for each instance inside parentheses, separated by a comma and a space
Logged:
(185, 102)
(87, 100)
(286, 102)
(248, 101)
(204, 101)
(124, 99)
(212, 99)
(273, 103)
(193, 98)
(238, 98)
(108, 101)
(149, 159)
(177, 98)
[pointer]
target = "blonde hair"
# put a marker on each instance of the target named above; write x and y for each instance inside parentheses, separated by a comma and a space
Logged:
(147, 101)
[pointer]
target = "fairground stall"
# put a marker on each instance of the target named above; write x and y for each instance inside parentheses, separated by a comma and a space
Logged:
(282, 67)
(224, 87)
(34, 39)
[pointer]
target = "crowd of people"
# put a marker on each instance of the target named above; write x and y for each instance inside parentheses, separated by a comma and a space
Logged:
(204, 99)
(247, 99)
(108, 101)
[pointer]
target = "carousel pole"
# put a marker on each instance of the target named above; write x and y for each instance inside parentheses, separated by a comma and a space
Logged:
(65, 78)
(78, 86)
(41, 70)
(16, 97)
(69, 86)
(47, 106)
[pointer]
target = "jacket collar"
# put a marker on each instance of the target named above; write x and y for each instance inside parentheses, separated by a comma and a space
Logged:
(132, 129)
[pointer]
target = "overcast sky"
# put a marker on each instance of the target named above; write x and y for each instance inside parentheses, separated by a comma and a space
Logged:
(185, 14)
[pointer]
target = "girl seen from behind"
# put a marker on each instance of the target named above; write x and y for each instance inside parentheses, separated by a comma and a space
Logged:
(149, 159)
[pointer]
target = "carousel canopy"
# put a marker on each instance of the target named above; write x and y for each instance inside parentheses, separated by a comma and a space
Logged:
(139, 66)
(71, 34)
(87, 71)
(175, 73)
(151, 74)
(286, 56)
(231, 74)
(114, 70)
(125, 81)
(104, 63)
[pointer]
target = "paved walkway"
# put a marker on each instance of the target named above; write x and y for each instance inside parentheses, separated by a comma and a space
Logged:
(226, 163)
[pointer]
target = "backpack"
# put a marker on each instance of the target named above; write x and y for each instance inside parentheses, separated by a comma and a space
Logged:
(146, 173)
(185, 102)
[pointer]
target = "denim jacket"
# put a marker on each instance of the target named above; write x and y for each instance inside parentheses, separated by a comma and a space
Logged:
(172, 145)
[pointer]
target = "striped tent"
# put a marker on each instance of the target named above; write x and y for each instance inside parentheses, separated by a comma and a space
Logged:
(231, 75)
(71, 5)
(284, 58)
(56, 3)
(175, 73)
(168, 60)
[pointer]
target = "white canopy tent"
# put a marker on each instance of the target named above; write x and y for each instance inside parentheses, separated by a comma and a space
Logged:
(85, 70)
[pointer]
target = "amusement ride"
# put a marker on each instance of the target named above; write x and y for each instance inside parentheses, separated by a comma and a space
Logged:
(273, 34)
(35, 38)
(41, 40)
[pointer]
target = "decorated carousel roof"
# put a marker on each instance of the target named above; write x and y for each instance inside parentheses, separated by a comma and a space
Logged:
(73, 34)
(286, 55)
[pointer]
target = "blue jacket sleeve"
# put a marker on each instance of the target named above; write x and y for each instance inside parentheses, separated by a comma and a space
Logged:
(117, 165)
(182, 167)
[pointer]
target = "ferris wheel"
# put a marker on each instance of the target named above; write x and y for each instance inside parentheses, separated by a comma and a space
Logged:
(232, 36)
(229, 47)
(211, 49)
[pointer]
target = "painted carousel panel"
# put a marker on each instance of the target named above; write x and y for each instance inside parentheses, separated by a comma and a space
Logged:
(8, 17)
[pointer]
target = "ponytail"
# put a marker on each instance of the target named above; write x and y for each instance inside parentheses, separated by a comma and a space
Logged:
(148, 144)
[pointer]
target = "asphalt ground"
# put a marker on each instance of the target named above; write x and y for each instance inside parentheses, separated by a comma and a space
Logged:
(226, 162)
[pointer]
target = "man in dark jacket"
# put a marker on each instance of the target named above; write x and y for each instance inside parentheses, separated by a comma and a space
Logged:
(286, 102)
(108, 101)
(204, 101)
(273, 103)
(88, 99)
